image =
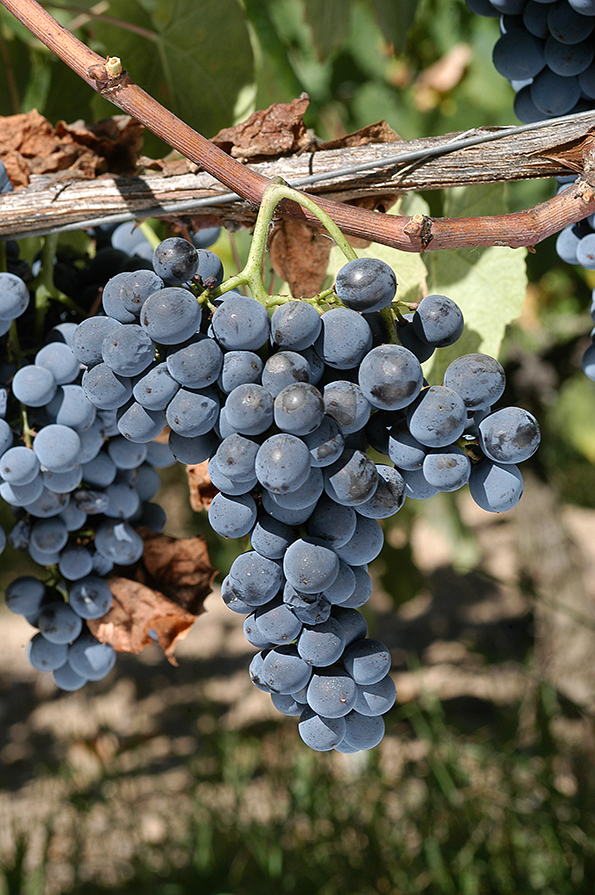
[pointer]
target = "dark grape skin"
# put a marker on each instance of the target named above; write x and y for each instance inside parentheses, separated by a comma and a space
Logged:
(390, 377)
(509, 435)
(478, 378)
(409, 339)
(295, 325)
(495, 487)
(438, 320)
(438, 417)
(209, 269)
(518, 55)
(366, 284)
(344, 340)
(175, 260)
(352, 479)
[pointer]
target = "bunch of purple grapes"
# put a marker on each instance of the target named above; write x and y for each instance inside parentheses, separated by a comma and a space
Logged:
(77, 488)
(291, 408)
(78, 491)
(547, 51)
(285, 407)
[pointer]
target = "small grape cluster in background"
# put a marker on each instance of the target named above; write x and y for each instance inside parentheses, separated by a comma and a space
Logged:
(547, 51)
(576, 245)
(78, 490)
(77, 487)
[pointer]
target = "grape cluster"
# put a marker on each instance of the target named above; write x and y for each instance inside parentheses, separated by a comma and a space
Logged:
(77, 488)
(285, 408)
(63, 644)
(575, 244)
(547, 52)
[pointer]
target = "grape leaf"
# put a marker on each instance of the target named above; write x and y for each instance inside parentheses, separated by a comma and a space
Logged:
(572, 414)
(276, 80)
(195, 58)
(395, 19)
(488, 284)
(408, 266)
(329, 20)
(168, 591)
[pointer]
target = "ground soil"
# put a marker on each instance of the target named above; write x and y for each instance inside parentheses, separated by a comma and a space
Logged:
(465, 635)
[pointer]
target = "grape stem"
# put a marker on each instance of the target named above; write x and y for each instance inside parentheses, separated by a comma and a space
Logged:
(27, 431)
(44, 287)
(149, 234)
(524, 228)
(251, 275)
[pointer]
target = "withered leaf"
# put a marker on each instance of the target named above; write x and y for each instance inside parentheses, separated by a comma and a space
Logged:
(178, 567)
(299, 255)
(166, 594)
(170, 166)
(379, 132)
(118, 140)
(29, 144)
(278, 130)
(136, 610)
(202, 491)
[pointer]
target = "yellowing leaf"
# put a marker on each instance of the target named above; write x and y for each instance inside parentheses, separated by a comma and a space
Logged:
(488, 284)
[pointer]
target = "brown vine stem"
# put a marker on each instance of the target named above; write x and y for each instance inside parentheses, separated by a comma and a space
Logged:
(525, 228)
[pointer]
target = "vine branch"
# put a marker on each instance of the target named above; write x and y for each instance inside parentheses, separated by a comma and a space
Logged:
(417, 234)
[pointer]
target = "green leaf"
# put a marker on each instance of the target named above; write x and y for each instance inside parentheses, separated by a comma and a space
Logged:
(395, 19)
(276, 79)
(572, 415)
(194, 57)
(39, 83)
(15, 70)
(408, 266)
(488, 284)
(329, 20)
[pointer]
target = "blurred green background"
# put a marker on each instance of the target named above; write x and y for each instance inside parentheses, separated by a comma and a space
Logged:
(173, 780)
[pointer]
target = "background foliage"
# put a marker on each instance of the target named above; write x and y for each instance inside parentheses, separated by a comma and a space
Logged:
(481, 807)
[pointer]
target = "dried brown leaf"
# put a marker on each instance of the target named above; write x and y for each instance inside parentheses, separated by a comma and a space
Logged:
(16, 168)
(202, 491)
(30, 145)
(276, 131)
(299, 255)
(379, 132)
(165, 594)
(178, 567)
(118, 140)
(169, 167)
(136, 610)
